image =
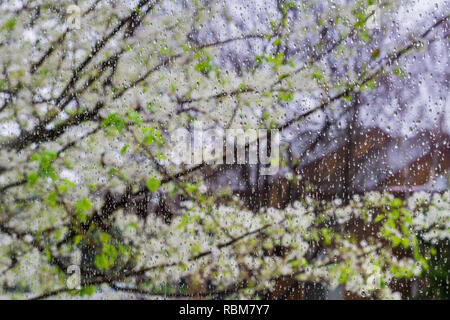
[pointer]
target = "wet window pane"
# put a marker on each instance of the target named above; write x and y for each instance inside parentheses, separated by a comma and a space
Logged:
(224, 149)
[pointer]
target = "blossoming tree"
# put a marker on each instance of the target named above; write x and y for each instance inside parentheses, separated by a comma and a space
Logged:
(90, 200)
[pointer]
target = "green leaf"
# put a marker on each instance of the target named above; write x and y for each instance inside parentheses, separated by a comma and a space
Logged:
(2, 84)
(51, 199)
(110, 252)
(159, 155)
(259, 59)
(115, 120)
(153, 184)
(81, 207)
(396, 203)
(399, 72)
(371, 84)
(395, 241)
(375, 54)
(204, 65)
(277, 60)
(191, 187)
(184, 221)
(151, 135)
(113, 172)
(45, 160)
(326, 236)
(286, 6)
(77, 239)
(134, 116)
(87, 291)
(364, 36)
(64, 184)
(104, 237)
(285, 96)
(83, 204)
(124, 149)
(101, 262)
(9, 24)
(32, 178)
(346, 272)
(317, 76)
